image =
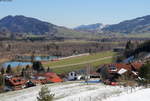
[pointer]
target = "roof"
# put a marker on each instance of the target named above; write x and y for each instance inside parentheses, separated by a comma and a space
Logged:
(15, 81)
(50, 77)
(137, 65)
(129, 67)
(120, 66)
(53, 77)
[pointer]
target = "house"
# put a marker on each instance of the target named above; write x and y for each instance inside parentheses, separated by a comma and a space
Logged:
(15, 83)
(48, 77)
(72, 76)
(52, 77)
(78, 75)
(112, 72)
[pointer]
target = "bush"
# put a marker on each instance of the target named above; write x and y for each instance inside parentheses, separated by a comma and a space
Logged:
(45, 94)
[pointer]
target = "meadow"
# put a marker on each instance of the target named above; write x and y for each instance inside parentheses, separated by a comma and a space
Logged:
(76, 63)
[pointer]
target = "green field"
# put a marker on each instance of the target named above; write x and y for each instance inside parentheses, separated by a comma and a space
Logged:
(76, 63)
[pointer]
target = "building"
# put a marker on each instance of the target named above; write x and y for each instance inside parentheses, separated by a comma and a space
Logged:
(114, 71)
(15, 83)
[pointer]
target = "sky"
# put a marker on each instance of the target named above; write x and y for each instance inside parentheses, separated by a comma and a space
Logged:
(72, 13)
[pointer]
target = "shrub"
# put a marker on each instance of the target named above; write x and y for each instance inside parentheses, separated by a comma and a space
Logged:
(45, 94)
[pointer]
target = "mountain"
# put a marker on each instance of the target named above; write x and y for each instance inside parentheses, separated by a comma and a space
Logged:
(90, 28)
(12, 26)
(137, 25)
(22, 24)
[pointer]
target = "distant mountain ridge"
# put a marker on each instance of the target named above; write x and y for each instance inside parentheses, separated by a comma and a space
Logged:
(92, 27)
(134, 26)
(14, 25)
(137, 25)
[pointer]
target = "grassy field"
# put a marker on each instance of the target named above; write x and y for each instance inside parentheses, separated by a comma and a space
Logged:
(76, 63)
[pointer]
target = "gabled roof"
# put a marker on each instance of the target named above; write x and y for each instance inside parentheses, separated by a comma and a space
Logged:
(53, 77)
(137, 65)
(16, 81)
(128, 67)
(50, 77)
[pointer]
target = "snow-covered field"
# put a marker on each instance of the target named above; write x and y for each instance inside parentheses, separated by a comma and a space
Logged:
(141, 95)
(69, 91)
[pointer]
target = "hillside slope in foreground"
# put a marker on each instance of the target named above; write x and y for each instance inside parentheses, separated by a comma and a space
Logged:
(78, 91)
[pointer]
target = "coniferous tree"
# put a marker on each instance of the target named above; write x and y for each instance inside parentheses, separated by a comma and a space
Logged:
(129, 49)
(37, 66)
(49, 70)
(23, 72)
(9, 70)
(129, 45)
(145, 72)
(27, 71)
(2, 71)
(1, 80)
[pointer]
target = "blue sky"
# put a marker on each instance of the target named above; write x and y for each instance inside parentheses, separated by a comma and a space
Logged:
(72, 13)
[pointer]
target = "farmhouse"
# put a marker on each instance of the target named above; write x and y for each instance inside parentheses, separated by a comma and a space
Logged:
(111, 72)
(13, 82)
(49, 77)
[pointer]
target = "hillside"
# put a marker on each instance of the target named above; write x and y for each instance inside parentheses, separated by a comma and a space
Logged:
(134, 26)
(65, 91)
(22, 24)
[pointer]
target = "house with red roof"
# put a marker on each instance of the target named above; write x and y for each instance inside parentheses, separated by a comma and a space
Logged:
(114, 71)
(15, 83)
(48, 77)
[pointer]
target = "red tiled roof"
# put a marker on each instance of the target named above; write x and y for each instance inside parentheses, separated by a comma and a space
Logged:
(15, 81)
(53, 77)
(136, 65)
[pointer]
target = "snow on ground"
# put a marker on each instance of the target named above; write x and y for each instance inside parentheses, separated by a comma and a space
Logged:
(68, 91)
(141, 95)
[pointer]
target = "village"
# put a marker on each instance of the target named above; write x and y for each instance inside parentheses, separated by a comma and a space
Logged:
(125, 73)
(74, 50)
(106, 73)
